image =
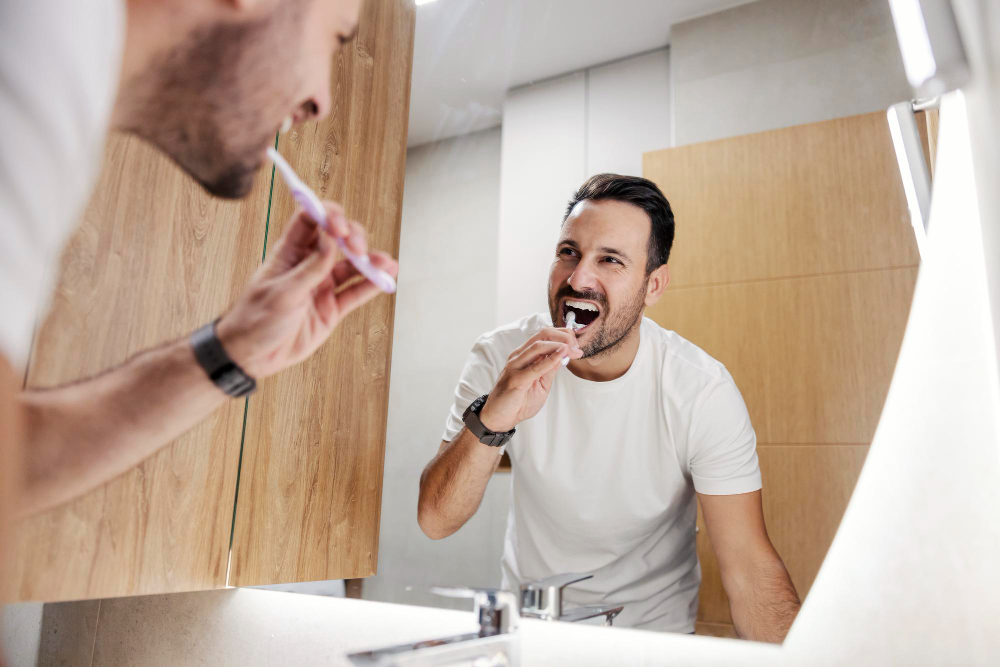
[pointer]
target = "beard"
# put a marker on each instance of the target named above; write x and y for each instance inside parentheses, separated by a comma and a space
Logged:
(614, 326)
(213, 103)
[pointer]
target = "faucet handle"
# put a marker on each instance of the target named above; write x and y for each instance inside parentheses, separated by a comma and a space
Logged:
(495, 609)
(462, 591)
(560, 581)
(543, 599)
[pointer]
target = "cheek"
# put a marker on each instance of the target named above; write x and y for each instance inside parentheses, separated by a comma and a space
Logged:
(558, 275)
(623, 294)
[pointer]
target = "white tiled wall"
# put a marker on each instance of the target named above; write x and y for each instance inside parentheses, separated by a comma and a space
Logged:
(543, 162)
(776, 63)
(447, 298)
(556, 135)
(628, 112)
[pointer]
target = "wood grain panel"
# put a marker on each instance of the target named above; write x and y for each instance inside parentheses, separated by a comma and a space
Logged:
(806, 491)
(813, 356)
(715, 629)
(817, 198)
(153, 258)
(932, 119)
(311, 482)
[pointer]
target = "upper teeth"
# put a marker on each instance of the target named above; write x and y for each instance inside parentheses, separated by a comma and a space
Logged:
(286, 125)
(581, 305)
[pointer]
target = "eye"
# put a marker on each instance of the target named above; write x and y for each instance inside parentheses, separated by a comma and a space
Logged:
(613, 260)
(567, 252)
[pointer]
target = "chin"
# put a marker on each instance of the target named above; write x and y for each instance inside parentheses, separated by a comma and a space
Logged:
(233, 184)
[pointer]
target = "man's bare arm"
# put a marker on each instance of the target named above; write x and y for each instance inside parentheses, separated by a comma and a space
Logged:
(453, 483)
(81, 435)
(84, 434)
(762, 598)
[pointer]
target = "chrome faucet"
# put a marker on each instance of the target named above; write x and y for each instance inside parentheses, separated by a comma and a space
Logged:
(544, 599)
(496, 643)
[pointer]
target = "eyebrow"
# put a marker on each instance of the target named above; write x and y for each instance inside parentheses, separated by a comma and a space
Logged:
(614, 251)
(607, 250)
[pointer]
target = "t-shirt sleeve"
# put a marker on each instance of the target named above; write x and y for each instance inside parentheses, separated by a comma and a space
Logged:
(478, 377)
(722, 445)
(59, 67)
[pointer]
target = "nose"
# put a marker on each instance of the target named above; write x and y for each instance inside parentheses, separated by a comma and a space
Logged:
(314, 108)
(583, 277)
(317, 105)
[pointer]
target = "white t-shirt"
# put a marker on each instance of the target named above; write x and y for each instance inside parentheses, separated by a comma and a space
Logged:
(60, 61)
(604, 476)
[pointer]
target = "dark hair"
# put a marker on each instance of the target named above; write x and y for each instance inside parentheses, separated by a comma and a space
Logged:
(638, 192)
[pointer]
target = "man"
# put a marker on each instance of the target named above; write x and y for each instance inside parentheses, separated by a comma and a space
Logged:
(208, 82)
(609, 453)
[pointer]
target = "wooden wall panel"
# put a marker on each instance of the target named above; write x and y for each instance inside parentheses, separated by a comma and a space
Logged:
(806, 491)
(154, 258)
(794, 264)
(715, 629)
(810, 356)
(311, 481)
(817, 198)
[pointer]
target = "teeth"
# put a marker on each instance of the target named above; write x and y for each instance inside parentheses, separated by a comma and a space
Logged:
(581, 305)
(286, 125)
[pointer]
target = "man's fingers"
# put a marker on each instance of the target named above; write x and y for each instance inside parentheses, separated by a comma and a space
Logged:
(550, 364)
(296, 243)
(549, 334)
(355, 296)
(336, 218)
(535, 351)
(310, 273)
(344, 270)
(356, 241)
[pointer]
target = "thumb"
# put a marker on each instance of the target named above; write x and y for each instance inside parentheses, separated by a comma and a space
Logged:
(310, 273)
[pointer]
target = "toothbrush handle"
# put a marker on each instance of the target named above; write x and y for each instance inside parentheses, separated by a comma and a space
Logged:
(377, 276)
(314, 207)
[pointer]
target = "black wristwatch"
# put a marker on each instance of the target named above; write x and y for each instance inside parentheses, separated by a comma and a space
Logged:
(486, 436)
(222, 370)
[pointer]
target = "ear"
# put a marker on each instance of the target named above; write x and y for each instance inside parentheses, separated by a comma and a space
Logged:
(658, 281)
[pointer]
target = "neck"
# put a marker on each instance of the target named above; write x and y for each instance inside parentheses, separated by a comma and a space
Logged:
(151, 29)
(610, 364)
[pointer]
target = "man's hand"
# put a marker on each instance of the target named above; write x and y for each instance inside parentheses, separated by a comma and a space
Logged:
(299, 295)
(523, 386)
(85, 433)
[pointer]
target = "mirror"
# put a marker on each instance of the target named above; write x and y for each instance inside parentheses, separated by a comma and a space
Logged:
(767, 344)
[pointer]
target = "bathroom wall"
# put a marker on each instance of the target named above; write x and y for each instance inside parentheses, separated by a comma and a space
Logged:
(775, 63)
(447, 298)
(555, 135)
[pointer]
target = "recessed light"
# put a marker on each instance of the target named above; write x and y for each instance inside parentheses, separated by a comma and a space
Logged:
(424, 2)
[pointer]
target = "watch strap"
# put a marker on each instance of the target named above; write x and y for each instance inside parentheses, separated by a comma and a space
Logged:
(221, 370)
(478, 429)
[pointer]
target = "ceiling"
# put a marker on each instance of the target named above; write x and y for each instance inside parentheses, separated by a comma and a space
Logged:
(468, 53)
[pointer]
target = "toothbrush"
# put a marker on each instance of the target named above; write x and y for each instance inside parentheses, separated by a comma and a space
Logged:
(308, 200)
(571, 323)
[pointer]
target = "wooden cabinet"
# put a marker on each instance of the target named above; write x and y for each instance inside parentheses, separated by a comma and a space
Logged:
(311, 485)
(154, 258)
(794, 265)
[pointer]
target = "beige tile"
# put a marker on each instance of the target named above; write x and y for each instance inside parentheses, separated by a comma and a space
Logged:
(68, 632)
(715, 629)
(805, 495)
(20, 625)
(243, 627)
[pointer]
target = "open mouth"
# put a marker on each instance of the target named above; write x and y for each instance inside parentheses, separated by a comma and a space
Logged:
(586, 312)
